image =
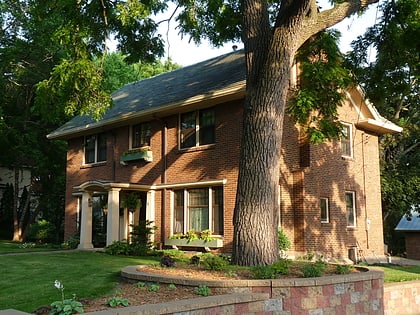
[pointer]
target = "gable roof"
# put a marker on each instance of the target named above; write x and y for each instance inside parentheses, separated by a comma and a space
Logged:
(221, 78)
(409, 223)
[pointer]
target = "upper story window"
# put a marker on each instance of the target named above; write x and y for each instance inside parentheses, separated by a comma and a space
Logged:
(199, 209)
(197, 128)
(350, 209)
(140, 135)
(346, 140)
(325, 211)
(95, 148)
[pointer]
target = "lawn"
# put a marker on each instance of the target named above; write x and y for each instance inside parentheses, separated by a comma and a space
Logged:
(395, 273)
(7, 247)
(27, 281)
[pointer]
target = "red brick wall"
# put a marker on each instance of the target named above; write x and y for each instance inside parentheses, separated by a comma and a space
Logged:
(329, 175)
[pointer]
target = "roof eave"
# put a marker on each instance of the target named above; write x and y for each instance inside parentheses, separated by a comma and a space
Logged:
(231, 92)
(377, 126)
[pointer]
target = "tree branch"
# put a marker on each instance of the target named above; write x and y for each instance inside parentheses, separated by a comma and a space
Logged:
(317, 22)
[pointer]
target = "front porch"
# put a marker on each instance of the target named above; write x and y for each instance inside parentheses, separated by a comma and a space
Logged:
(104, 214)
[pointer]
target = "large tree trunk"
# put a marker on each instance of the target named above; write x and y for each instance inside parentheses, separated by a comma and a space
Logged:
(269, 53)
(17, 233)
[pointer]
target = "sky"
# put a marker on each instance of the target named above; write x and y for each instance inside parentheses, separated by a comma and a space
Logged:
(184, 53)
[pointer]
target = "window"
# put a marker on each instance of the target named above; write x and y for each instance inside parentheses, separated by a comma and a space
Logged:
(199, 209)
(140, 135)
(346, 140)
(325, 212)
(197, 128)
(350, 209)
(95, 148)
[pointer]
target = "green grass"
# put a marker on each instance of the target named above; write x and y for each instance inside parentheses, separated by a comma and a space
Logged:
(27, 281)
(8, 247)
(395, 273)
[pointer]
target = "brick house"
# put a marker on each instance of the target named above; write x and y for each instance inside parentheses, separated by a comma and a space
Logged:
(174, 139)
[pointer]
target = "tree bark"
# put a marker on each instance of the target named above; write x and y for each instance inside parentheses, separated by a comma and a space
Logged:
(269, 53)
(17, 234)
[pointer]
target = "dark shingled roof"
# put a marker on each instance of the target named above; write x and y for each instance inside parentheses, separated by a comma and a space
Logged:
(153, 94)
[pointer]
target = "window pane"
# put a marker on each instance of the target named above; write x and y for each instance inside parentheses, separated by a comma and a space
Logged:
(101, 148)
(179, 211)
(346, 141)
(198, 209)
(188, 133)
(217, 211)
(350, 209)
(90, 149)
(207, 127)
(141, 135)
(323, 203)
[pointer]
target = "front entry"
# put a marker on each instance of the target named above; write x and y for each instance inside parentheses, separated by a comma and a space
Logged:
(105, 216)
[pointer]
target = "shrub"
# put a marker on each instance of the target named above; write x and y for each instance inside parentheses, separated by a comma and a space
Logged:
(342, 269)
(281, 267)
(41, 231)
(140, 237)
(313, 270)
(213, 262)
(118, 248)
(263, 272)
(167, 261)
(72, 242)
(283, 242)
(195, 260)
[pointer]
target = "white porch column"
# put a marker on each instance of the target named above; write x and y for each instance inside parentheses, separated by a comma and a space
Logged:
(113, 218)
(150, 209)
(86, 223)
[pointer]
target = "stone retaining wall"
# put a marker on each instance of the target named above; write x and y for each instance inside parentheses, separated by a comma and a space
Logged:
(402, 298)
(357, 293)
(360, 293)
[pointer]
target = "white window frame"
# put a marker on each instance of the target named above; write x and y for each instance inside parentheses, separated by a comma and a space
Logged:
(353, 210)
(327, 209)
(96, 149)
(186, 208)
(197, 129)
(349, 128)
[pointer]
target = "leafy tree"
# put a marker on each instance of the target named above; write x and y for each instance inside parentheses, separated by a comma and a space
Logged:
(272, 32)
(391, 81)
(35, 41)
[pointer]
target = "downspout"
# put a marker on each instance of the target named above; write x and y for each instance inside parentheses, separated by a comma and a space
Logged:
(367, 221)
(163, 180)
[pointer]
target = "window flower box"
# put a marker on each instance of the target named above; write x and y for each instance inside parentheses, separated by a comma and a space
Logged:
(183, 242)
(133, 155)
